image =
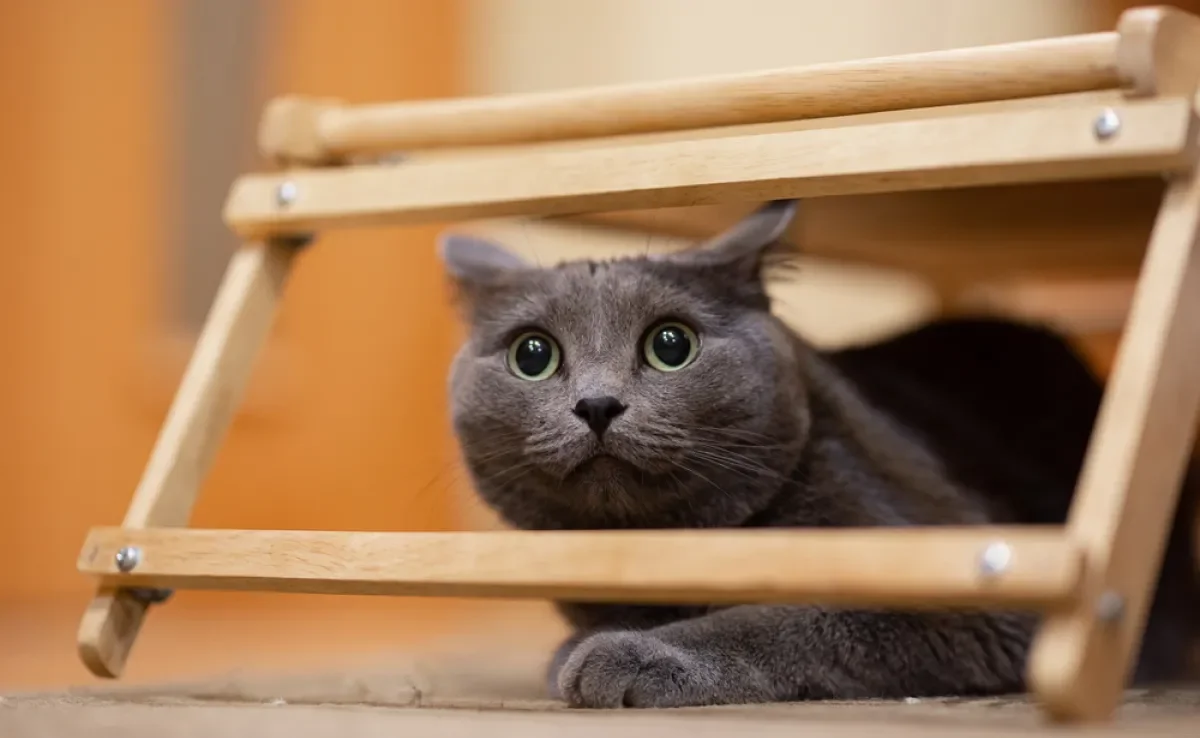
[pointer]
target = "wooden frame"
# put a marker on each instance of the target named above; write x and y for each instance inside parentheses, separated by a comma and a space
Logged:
(1118, 104)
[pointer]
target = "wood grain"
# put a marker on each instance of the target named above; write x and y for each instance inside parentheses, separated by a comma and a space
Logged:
(913, 567)
(943, 150)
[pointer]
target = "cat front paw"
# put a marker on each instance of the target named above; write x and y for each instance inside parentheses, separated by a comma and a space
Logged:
(636, 669)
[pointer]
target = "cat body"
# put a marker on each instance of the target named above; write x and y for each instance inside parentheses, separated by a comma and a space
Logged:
(661, 392)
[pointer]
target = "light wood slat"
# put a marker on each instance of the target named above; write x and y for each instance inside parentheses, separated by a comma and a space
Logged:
(1027, 145)
(914, 567)
(200, 414)
(1129, 487)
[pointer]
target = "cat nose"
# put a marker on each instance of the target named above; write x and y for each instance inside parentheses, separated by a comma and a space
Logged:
(599, 412)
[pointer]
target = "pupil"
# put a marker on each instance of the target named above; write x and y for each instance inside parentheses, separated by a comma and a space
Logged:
(533, 356)
(672, 346)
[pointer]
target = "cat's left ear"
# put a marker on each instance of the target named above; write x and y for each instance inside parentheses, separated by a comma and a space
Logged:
(753, 235)
(477, 262)
(734, 262)
(741, 251)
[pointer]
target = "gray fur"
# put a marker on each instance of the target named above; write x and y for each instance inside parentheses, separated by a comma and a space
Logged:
(761, 430)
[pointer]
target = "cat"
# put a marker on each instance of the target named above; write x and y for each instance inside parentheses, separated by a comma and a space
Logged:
(660, 391)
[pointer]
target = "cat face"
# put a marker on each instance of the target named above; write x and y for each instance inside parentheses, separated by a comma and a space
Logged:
(642, 392)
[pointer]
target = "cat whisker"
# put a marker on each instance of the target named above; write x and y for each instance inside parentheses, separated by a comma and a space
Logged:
(707, 443)
(727, 432)
(711, 483)
(744, 450)
(736, 466)
(734, 462)
(523, 467)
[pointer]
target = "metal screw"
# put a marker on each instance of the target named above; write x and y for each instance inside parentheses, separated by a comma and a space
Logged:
(286, 193)
(128, 558)
(995, 559)
(1110, 607)
(1107, 124)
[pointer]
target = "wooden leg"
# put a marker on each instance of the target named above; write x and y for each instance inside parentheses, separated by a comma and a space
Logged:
(1130, 482)
(200, 414)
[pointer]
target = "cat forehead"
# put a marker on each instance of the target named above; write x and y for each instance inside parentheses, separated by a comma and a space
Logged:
(602, 270)
(609, 285)
(630, 275)
(595, 293)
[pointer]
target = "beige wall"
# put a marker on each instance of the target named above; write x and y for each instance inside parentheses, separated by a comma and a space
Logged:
(522, 45)
(344, 425)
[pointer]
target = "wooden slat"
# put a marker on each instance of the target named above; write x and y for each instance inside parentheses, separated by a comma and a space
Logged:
(200, 414)
(944, 150)
(913, 567)
(1130, 482)
(304, 129)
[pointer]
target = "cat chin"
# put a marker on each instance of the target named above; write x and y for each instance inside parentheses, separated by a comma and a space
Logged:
(603, 469)
(605, 479)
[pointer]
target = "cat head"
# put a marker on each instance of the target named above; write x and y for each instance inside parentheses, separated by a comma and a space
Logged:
(654, 391)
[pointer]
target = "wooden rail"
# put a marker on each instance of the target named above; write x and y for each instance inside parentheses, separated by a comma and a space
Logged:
(1054, 142)
(915, 567)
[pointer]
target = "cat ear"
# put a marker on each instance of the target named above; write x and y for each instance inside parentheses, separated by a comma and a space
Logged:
(476, 261)
(753, 235)
(733, 262)
(738, 257)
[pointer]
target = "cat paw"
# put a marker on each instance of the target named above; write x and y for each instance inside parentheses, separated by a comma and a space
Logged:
(631, 669)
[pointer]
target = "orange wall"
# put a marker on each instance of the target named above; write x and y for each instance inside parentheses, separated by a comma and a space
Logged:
(344, 425)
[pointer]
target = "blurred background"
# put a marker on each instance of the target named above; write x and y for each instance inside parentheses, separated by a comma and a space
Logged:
(125, 123)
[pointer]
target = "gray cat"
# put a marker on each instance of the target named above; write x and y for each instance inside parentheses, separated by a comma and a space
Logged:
(661, 392)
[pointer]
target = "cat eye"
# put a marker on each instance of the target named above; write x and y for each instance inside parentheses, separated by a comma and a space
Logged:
(670, 347)
(533, 356)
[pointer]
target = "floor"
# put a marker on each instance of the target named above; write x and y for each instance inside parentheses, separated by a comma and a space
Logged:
(197, 634)
(301, 721)
(261, 665)
(474, 690)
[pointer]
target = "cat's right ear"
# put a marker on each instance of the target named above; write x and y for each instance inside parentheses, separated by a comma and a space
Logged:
(476, 267)
(477, 262)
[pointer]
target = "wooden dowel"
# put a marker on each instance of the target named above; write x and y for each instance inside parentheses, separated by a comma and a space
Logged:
(1037, 568)
(301, 129)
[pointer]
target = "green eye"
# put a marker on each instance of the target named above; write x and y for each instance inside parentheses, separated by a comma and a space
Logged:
(670, 347)
(533, 356)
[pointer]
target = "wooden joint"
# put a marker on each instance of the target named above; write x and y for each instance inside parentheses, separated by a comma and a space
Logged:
(290, 131)
(1158, 52)
(1128, 489)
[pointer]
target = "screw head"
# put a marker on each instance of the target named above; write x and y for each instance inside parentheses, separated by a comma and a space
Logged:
(995, 559)
(1110, 607)
(128, 558)
(286, 193)
(1107, 124)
